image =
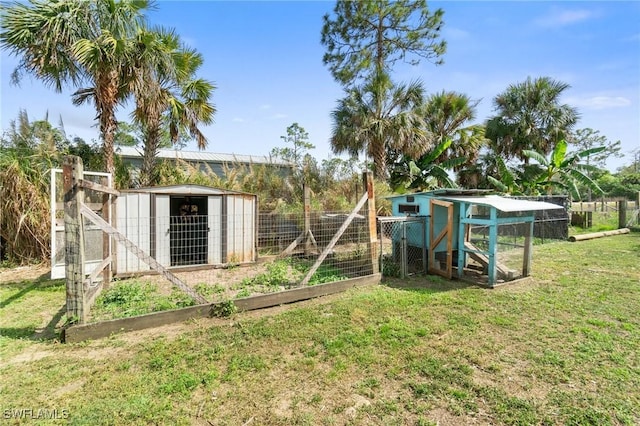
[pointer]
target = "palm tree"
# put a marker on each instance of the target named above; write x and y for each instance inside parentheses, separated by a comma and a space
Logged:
(168, 94)
(530, 116)
(70, 42)
(448, 116)
(379, 117)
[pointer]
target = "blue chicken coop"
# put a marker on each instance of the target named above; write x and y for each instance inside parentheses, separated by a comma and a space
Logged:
(473, 234)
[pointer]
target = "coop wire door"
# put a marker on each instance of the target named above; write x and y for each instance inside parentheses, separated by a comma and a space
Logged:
(441, 238)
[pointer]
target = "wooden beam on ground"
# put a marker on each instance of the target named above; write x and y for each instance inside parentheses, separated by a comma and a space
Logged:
(106, 227)
(334, 240)
(583, 237)
(303, 293)
(87, 184)
(78, 333)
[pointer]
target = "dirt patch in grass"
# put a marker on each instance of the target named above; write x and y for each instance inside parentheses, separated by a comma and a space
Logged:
(24, 273)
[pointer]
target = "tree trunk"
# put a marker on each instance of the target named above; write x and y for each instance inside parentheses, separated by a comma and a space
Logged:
(379, 154)
(106, 101)
(148, 169)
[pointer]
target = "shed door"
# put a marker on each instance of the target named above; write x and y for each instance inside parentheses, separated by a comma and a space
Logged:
(441, 238)
(214, 225)
(162, 217)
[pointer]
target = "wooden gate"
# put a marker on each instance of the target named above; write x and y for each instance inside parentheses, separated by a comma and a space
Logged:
(441, 261)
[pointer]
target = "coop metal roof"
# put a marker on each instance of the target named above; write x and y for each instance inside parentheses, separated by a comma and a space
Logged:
(504, 204)
(186, 189)
(201, 156)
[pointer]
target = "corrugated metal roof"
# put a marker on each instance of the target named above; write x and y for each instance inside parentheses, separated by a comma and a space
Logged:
(447, 191)
(504, 204)
(201, 156)
(186, 189)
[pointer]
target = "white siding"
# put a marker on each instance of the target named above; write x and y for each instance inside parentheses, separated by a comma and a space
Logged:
(133, 221)
(214, 237)
(240, 228)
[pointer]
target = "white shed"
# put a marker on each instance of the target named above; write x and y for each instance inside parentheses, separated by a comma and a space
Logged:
(186, 225)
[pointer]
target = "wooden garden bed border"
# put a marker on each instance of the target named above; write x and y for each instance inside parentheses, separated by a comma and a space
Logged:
(81, 332)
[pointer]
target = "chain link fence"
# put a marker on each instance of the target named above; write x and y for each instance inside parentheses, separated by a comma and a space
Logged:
(402, 246)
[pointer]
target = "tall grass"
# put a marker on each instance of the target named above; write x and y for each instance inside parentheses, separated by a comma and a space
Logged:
(25, 220)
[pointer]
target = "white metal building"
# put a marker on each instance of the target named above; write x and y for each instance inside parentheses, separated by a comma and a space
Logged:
(179, 225)
(217, 227)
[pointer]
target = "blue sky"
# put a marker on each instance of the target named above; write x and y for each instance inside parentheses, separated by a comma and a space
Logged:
(266, 60)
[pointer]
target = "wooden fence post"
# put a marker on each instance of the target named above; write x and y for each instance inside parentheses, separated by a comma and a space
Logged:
(72, 171)
(622, 213)
(367, 179)
(307, 219)
(106, 238)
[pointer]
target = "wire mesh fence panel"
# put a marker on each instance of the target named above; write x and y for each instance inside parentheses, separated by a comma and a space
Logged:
(402, 246)
(510, 250)
(216, 255)
(550, 225)
(93, 236)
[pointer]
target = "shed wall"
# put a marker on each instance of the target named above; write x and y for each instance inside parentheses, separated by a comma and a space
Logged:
(241, 232)
(145, 218)
(133, 220)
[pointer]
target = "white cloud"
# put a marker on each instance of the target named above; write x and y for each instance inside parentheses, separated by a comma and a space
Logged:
(238, 120)
(455, 34)
(265, 106)
(560, 18)
(599, 102)
(278, 116)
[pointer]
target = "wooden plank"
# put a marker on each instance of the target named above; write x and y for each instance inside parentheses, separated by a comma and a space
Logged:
(479, 256)
(92, 206)
(87, 184)
(98, 221)
(97, 271)
(79, 333)
(303, 293)
(292, 246)
(334, 240)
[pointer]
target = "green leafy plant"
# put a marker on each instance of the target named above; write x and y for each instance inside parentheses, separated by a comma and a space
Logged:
(224, 309)
(130, 298)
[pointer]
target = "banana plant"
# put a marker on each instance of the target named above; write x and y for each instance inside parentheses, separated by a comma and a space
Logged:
(509, 181)
(425, 173)
(564, 170)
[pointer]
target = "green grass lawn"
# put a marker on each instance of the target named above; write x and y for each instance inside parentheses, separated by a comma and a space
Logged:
(563, 348)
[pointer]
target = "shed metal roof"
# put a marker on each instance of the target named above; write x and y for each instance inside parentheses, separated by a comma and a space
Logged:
(200, 156)
(505, 204)
(186, 189)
